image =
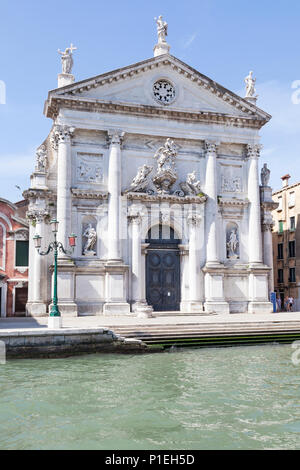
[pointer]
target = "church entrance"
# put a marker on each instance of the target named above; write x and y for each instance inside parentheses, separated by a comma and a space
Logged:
(163, 269)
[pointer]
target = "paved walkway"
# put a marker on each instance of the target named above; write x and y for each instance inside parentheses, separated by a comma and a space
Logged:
(86, 322)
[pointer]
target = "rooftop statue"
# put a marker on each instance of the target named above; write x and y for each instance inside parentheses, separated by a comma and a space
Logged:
(250, 82)
(67, 59)
(162, 29)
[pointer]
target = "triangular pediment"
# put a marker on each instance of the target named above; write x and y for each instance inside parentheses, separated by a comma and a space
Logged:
(191, 91)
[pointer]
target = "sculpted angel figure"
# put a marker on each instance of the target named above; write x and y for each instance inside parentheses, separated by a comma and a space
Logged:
(250, 82)
(191, 186)
(67, 59)
(166, 155)
(91, 235)
(162, 29)
(140, 181)
(265, 175)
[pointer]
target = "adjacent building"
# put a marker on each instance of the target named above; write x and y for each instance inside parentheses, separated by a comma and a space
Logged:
(155, 168)
(14, 243)
(286, 241)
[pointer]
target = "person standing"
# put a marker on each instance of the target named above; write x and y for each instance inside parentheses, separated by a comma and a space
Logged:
(291, 303)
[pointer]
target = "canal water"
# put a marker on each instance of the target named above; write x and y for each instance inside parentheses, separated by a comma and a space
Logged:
(227, 398)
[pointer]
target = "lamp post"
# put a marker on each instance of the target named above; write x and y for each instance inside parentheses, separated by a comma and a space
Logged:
(55, 246)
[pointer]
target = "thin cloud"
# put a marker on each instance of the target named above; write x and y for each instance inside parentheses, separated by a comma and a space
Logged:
(190, 40)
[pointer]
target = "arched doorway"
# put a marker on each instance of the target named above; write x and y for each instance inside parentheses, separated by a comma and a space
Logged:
(163, 269)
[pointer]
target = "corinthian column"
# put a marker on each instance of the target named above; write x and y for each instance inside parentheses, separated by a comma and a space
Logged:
(211, 203)
(114, 195)
(195, 272)
(62, 138)
(255, 241)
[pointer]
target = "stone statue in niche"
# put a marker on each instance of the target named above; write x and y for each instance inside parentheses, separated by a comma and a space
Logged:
(90, 235)
(140, 181)
(41, 159)
(265, 175)
(67, 59)
(191, 187)
(232, 244)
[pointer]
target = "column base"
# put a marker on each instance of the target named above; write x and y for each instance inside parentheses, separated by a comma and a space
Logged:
(194, 306)
(116, 308)
(214, 306)
(36, 309)
(142, 310)
(68, 309)
(54, 323)
(260, 307)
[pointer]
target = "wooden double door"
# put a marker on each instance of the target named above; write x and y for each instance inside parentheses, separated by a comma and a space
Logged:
(163, 277)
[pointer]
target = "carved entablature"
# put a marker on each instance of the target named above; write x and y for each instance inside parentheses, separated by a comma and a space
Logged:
(33, 194)
(89, 168)
(232, 208)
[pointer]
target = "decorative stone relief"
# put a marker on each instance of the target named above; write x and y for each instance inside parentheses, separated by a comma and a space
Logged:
(231, 180)
(89, 168)
(141, 180)
(232, 241)
(89, 238)
(21, 235)
(166, 174)
(41, 159)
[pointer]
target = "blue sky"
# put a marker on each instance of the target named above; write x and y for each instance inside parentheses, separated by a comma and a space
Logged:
(222, 39)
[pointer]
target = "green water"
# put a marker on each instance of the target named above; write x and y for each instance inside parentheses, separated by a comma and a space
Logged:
(230, 398)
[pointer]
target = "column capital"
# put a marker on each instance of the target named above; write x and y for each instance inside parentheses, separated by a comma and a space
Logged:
(115, 137)
(193, 219)
(211, 146)
(61, 134)
(37, 215)
(253, 150)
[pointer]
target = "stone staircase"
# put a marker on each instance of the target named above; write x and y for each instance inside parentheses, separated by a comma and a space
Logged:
(211, 334)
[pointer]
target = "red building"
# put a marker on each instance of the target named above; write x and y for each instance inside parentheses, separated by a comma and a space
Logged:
(14, 233)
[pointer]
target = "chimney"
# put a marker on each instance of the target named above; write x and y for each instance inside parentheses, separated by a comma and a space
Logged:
(285, 180)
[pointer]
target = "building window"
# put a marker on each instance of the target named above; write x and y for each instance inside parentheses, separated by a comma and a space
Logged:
(22, 253)
(280, 276)
(292, 224)
(280, 251)
(279, 208)
(280, 226)
(292, 199)
(292, 277)
(292, 249)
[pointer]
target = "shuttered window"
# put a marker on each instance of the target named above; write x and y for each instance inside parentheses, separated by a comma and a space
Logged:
(22, 253)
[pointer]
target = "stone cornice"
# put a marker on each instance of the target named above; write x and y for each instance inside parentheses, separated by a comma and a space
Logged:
(68, 96)
(166, 198)
(233, 202)
(35, 193)
(87, 194)
(91, 105)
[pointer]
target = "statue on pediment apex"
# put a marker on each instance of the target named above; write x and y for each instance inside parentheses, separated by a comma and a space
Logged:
(67, 58)
(162, 29)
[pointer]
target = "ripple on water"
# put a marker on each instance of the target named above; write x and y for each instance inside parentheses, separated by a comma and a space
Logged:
(231, 398)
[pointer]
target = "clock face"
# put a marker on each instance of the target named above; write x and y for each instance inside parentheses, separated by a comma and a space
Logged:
(164, 92)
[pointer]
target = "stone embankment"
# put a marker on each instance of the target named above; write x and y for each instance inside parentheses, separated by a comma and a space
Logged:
(66, 342)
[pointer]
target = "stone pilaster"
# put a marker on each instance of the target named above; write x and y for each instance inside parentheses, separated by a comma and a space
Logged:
(211, 208)
(114, 195)
(196, 280)
(37, 284)
(62, 137)
(139, 305)
(255, 239)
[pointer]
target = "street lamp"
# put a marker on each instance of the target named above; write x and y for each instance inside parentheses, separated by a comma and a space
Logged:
(55, 246)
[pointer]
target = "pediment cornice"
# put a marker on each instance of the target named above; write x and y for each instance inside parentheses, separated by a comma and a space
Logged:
(69, 96)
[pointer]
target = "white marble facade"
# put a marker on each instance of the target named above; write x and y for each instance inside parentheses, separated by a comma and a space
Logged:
(101, 183)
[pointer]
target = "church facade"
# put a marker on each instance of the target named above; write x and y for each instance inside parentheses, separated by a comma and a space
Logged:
(155, 168)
